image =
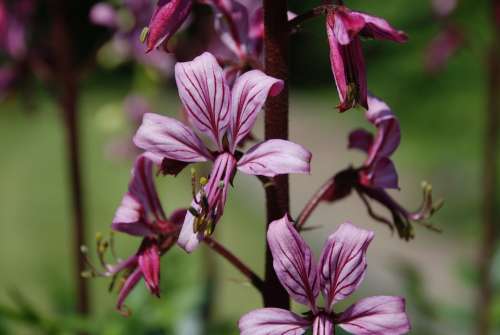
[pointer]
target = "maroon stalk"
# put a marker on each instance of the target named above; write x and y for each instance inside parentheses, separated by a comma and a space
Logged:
(66, 81)
(491, 217)
(313, 203)
(276, 126)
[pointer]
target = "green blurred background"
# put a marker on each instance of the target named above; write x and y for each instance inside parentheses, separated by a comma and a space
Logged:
(442, 121)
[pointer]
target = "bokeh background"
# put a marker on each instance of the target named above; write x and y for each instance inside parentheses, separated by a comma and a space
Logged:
(442, 120)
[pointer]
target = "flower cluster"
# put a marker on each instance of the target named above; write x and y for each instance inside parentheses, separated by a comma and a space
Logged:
(222, 93)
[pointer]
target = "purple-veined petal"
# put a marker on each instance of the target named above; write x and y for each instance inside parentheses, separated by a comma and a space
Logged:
(274, 157)
(381, 315)
(205, 95)
(348, 68)
(293, 262)
(323, 325)
(360, 139)
(149, 263)
(249, 94)
(168, 17)
(272, 321)
(382, 174)
(215, 191)
(127, 287)
(378, 28)
(103, 14)
(169, 138)
(343, 262)
(140, 207)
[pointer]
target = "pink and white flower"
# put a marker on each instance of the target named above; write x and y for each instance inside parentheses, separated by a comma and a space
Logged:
(338, 274)
(225, 116)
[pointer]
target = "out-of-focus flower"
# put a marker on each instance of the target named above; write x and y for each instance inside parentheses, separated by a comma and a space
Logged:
(344, 28)
(442, 48)
(377, 173)
(226, 116)
(239, 27)
(444, 8)
(141, 214)
(127, 38)
(340, 271)
(14, 21)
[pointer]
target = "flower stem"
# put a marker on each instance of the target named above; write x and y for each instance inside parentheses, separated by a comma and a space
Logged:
(66, 80)
(313, 203)
(491, 214)
(276, 126)
(256, 281)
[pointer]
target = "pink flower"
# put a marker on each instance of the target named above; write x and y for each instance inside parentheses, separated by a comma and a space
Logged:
(344, 28)
(340, 271)
(378, 173)
(225, 116)
(443, 47)
(140, 214)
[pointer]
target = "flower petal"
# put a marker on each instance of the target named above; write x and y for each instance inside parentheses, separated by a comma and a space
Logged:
(272, 321)
(205, 95)
(127, 287)
(293, 262)
(345, 25)
(168, 138)
(360, 139)
(343, 262)
(274, 157)
(249, 94)
(167, 18)
(383, 174)
(388, 134)
(140, 207)
(380, 29)
(103, 14)
(189, 239)
(381, 315)
(149, 263)
(323, 325)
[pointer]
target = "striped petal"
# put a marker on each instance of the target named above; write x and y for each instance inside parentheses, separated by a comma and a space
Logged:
(275, 157)
(272, 321)
(205, 95)
(293, 262)
(343, 262)
(168, 138)
(249, 94)
(323, 325)
(381, 315)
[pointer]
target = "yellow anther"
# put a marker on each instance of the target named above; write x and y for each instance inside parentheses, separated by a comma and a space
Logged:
(144, 34)
(203, 181)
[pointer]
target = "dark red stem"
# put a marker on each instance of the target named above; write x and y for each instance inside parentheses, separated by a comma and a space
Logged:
(66, 81)
(276, 126)
(313, 203)
(491, 216)
(236, 262)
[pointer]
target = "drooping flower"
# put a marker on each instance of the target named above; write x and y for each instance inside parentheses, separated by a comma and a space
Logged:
(378, 173)
(141, 214)
(344, 29)
(225, 116)
(340, 271)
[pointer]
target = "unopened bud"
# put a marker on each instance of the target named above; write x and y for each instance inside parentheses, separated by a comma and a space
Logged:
(98, 236)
